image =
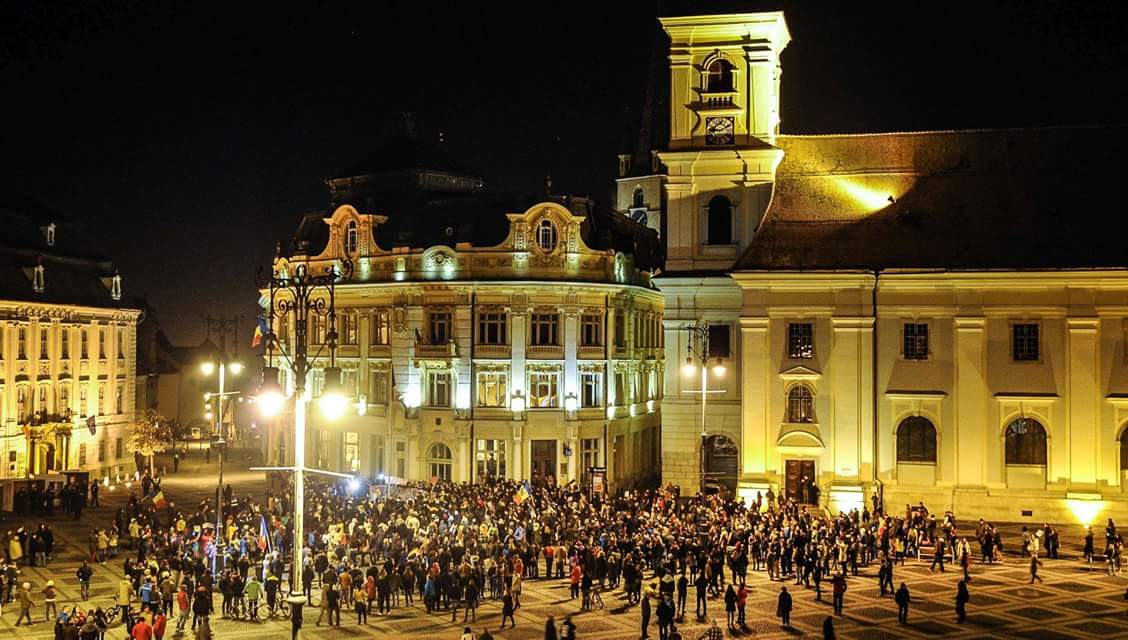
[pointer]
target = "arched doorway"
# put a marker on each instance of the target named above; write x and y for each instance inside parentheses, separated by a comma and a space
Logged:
(720, 462)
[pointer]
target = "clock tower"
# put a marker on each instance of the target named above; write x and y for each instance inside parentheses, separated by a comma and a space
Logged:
(724, 116)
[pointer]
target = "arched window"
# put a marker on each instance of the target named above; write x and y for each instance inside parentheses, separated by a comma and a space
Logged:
(719, 77)
(916, 440)
(800, 404)
(639, 198)
(1026, 442)
(351, 238)
(546, 235)
(439, 458)
(720, 221)
(1124, 450)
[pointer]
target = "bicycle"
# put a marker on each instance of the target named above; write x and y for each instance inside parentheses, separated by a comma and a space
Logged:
(281, 609)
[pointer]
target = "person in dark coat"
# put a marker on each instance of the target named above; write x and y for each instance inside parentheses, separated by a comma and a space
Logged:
(730, 605)
(507, 610)
(962, 598)
(666, 613)
(645, 616)
(550, 629)
(828, 628)
(783, 607)
(839, 592)
(903, 599)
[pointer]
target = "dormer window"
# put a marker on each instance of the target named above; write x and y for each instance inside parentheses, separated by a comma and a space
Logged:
(351, 238)
(49, 232)
(38, 279)
(719, 76)
(546, 236)
(115, 287)
(639, 198)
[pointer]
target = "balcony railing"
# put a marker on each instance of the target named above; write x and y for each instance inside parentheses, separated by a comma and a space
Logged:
(590, 351)
(491, 351)
(545, 351)
(436, 351)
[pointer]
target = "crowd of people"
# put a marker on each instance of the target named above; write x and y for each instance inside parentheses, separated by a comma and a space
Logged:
(455, 546)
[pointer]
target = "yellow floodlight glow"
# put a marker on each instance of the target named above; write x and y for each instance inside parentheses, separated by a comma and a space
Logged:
(1086, 511)
(868, 197)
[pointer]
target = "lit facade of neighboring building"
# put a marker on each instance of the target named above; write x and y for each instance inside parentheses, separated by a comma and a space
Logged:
(930, 316)
(481, 336)
(67, 353)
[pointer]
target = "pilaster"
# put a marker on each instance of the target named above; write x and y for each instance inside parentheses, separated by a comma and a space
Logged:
(1083, 344)
(972, 430)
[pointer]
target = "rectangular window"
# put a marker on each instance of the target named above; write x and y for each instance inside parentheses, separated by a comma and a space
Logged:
(42, 398)
(378, 386)
(21, 343)
(381, 328)
(545, 328)
(493, 389)
(1024, 342)
(591, 385)
(543, 390)
(401, 459)
(316, 329)
(800, 340)
(916, 341)
(64, 343)
(103, 339)
(348, 328)
(589, 457)
(84, 342)
(439, 326)
(351, 441)
(438, 389)
(376, 450)
(43, 336)
(119, 398)
(323, 445)
(591, 330)
(82, 399)
(102, 450)
(348, 381)
(492, 328)
(64, 398)
(620, 388)
(719, 341)
(102, 399)
(620, 329)
(121, 343)
(490, 460)
(82, 455)
(119, 448)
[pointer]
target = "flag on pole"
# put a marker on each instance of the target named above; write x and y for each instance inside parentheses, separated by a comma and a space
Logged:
(264, 536)
(261, 329)
(91, 424)
(159, 500)
(523, 493)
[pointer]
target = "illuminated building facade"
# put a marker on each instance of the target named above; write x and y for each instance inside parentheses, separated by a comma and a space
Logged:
(931, 315)
(481, 336)
(67, 353)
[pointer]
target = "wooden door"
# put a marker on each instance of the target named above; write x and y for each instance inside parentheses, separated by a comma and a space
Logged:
(798, 471)
(543, 459)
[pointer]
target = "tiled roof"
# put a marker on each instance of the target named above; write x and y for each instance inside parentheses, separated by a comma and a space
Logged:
(991, 199)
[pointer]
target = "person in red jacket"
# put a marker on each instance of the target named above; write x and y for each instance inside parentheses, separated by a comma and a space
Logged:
(159, 624)
(577, 573)
(142, 630)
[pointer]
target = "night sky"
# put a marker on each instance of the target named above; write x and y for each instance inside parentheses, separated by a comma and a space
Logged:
(191, 136)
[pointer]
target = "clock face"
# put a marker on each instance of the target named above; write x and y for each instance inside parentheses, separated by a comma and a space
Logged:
(719, 130)
(638, 215)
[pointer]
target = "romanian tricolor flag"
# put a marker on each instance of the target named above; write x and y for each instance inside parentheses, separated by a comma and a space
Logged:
(261, 329)
(159, 500)
(523, 493)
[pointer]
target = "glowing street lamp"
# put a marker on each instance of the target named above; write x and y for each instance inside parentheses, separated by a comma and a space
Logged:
(697, 348)
(333, 402)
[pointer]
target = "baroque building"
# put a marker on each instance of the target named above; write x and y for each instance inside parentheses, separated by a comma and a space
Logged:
(67, 344)
(931, 315)
(480, 336)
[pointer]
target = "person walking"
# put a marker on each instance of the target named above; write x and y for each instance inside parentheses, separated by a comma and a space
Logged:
(962, 598)
(360, 604)
(184, 607)
(26, 604)
(702, 585)
(783, 607)
(1034, 562)
(507, 610)
(84, 574)
(50, 597)
(938, 556)
(683, 592)
(903, 599)
(666, 613)
(730, 606)
(839, 583)
(1089, 549)
(741, 604)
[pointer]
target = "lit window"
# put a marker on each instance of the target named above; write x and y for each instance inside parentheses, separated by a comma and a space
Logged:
(84, 341)
(378, 386)
(440, 327)
(490, 459)
(351, 238)
(543, 390)
(544, 329)
(348, 328)
(381, 328)
(351, 441)
(720, 221)
(1026, 442)
(50, 233)
(800, 405)
(121, 343)
(38, 279)
(591, 330)
(589, 457)
(44, 353)
(438, 389)
(64, 343)
(916, 440)
(82, 455)
(719, 76)
(1024, 342)
(439, 458)
(916, 341)
(119, 398)
(546, 236)
(800, 340)
(493, 389)
(21, 343)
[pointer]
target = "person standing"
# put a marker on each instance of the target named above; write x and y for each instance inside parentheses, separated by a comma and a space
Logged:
(839, 583)
(549, 629)
(783, 607)
(741, 603)
(730, 606)
(84, 574)
(26, 604)
(1034, 568)
(645, 623)
(938, 556)
(903, 599)
(94, 488)
(360, 605)
(665, 617)
(683, 592)
(828, 629)
(962, 598)
(507, 610)
(702, 584)
(885, 575)
(1089, 550)
(50, 597)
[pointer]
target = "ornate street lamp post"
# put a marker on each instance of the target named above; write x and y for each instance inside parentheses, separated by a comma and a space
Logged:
(697, 350)
(302, 295)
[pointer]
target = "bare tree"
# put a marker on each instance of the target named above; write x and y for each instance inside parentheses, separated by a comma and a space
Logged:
(149, 434)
